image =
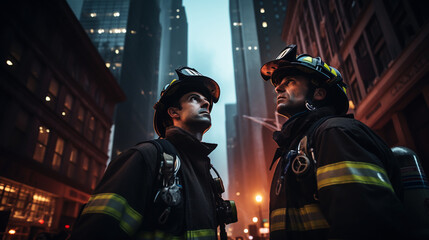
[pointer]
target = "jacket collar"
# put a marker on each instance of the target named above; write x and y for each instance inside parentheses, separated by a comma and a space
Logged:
(298, 124)
(182, 139)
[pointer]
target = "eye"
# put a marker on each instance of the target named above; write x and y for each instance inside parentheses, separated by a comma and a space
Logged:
(290, 81)
(193, 97)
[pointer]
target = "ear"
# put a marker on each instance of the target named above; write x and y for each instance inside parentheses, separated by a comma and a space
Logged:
(173, 112)
(319, 94)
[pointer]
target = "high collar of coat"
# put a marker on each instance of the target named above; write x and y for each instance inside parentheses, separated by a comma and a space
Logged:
(298, 124)
(187, 142)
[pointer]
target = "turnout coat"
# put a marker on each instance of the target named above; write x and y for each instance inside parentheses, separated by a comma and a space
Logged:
(122, 205)
(351, 188)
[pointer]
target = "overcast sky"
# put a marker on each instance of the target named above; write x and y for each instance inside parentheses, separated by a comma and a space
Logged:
(210, 52)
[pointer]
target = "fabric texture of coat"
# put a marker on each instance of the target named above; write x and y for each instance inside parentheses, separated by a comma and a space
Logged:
(351, 190)
(122, 205)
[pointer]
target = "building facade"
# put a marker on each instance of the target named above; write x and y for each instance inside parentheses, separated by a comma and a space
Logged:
(174, 41)
(381, 48)
(127, 34)
(57, 99)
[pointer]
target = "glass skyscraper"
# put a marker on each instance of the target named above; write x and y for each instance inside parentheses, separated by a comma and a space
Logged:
(105, 21)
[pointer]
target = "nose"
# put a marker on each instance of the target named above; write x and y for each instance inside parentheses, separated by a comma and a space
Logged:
(279, 88)
(205, 103)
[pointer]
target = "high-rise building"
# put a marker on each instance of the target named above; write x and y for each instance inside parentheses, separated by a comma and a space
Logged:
(249, 172)
(174, 40)
(127, 34)
(270, 16)
(57, 99)
(381, 48)
(106, 21)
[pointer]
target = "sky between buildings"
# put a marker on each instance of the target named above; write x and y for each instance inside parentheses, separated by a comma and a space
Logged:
(210, 52)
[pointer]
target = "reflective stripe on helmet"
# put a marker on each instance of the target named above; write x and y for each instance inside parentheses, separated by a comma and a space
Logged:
(352, 172)
(117, 207)
(202, 234)
(309, 217)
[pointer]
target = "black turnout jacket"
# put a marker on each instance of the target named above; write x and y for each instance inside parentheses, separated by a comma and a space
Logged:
(350, 190)
(122, 205)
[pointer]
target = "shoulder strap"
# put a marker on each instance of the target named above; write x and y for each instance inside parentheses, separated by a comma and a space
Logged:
(312, 130)
(167, 155)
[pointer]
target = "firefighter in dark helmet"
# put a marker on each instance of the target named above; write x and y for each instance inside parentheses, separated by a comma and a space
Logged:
(163, 189)
(334, 178)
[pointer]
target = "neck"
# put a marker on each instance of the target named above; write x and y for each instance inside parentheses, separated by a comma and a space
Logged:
(196, 133)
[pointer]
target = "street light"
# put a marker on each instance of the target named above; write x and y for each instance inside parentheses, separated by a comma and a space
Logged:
(258, 199)
(255, 219)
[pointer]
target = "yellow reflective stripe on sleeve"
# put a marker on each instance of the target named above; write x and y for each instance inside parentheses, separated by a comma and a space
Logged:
(309, 217)
(352, 172)
(202, 234)
(117, 207)
(278, 219)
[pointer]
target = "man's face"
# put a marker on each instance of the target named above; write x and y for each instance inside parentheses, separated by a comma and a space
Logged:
(194, 114)
(291, 93)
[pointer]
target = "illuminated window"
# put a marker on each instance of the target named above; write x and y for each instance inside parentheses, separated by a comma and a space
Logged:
(85, 162)
(117, 51)
(80, 119)
(28, 204)
(255, 48)
(177, 16)
(237, 48)
(93, 14)
(68, 104)
(133, 32)
(51, 97)
(107, 65)
(91, 128)
(264, 24)
(116, 14)
(262, 10)
(9, 62)
(72, 162)
(177, 10)
(250, 48)
(100, 31)
(58, 154)
(41, 144)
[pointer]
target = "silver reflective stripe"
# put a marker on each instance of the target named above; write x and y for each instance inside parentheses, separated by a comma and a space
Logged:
(352, 172)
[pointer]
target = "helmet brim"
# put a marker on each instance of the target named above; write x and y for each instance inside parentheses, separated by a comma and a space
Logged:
(204, 85)
(283, 68)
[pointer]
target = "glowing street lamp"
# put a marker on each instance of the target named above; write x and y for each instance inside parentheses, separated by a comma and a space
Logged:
(255, 219)
(258, 199)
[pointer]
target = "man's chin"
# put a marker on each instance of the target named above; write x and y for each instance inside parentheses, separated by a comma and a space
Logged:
(282, 110)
